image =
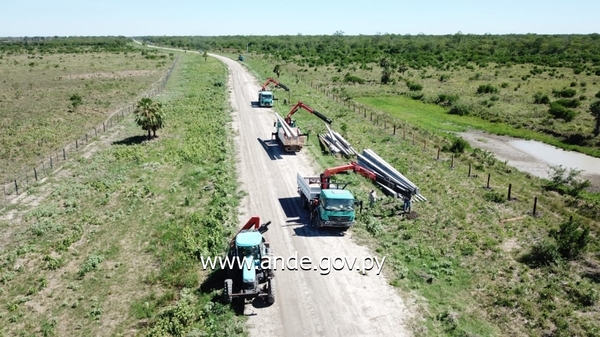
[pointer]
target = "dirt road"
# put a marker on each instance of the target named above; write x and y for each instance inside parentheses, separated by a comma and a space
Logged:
(342, 303)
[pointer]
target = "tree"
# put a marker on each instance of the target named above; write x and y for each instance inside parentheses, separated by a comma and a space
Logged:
(149, 115)
(277, 70)
(595, 110)
(205, 55)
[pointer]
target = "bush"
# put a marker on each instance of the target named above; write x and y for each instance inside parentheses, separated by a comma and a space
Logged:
(540, 98)
(487, 89)
(459, 109)
(459, 145)
(414, 86)
(597, 94)
(565, 93)
(559, 111)
(353, 79)
(445, 99)
(494, 196)
(568, 103)
(571, 238)
(543, 253)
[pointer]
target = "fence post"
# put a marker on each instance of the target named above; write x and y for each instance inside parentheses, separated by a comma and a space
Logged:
(95, 132)
(104, 127)
(16, 188)
(51, 167)
(35, 173)
(438, 154)
(394, 130)
(64, 154)
(413, 142)
(488, 181)
(469, 175)
(371, 116)
(86, 138)
(509, 190)
(424, 145)
(403, 134)
(76, 144)
(535, 206)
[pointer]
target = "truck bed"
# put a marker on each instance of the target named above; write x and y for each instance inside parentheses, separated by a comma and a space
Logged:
(309, 186)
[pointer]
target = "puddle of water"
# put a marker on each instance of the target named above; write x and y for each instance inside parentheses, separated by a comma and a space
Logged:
(556, 156)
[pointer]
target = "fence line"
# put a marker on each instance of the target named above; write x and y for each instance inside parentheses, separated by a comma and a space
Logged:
(387, 122)
(24, 180)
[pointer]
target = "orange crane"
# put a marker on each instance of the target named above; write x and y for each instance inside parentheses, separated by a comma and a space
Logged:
(288, 135)
(277, 85)
(353, 166)
(288, 118)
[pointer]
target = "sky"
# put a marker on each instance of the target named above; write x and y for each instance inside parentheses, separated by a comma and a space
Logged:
(291, 17)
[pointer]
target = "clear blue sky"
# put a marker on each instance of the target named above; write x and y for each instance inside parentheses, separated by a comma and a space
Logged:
(290, 17)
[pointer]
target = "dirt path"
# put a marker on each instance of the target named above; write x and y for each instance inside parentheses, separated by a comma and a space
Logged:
(342, 303)
(503, 149)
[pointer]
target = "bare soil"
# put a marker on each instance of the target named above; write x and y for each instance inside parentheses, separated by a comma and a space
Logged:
(503, 150)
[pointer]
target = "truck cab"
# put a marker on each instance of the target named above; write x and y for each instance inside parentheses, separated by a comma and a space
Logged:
(265, 98)
(335, 209)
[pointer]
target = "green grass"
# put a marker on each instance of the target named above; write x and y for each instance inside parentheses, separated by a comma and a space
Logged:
(436, 118)
(113, 249)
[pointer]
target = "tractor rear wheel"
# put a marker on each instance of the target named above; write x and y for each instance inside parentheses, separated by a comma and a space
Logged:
(228, 290)
(271, 295)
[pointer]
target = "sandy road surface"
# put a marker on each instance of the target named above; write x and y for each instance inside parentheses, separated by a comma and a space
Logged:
(343, 303)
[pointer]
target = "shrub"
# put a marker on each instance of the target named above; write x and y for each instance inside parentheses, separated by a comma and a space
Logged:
(445, 99)
(459, 145)
(571, 238)
(353, 79)
(540, 98)
(414, 86)
(566, 93)
(494, 196)
(504, 85)
(568, 103)
(559, 111)
(597, 94)
(459, 109)
(487, 89)
(543, 253)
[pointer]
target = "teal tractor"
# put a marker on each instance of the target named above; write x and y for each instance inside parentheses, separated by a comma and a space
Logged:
(241, 58)
(249, 273)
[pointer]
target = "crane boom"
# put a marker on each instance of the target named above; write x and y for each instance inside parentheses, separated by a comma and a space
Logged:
(277, 85)
(353, 166)
(288, 118)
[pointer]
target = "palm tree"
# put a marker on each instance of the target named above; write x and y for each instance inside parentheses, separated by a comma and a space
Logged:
(149, 115)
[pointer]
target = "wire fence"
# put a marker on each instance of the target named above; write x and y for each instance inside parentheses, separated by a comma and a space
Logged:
(22, 181)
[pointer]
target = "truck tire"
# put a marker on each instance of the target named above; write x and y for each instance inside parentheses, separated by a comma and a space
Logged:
(271, 295)
(227, 291)
(304, 202)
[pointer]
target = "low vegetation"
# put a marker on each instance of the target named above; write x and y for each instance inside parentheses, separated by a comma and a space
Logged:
(110, 245)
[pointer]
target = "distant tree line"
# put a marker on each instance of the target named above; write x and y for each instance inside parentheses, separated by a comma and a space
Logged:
(579, 52)
(58, 44)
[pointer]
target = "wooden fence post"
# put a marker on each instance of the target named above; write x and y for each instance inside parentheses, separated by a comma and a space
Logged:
(95, 132)
(488, 181)
(51, 167)
(35, 173)
(394, 130)
(103, 127)
(64, 154)
(76, 144)
(509, 190)
(469, 174)
(16, 188)
(535, 206)
(438, 153)
(452, 162)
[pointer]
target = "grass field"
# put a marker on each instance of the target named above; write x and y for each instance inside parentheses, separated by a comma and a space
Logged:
(509, 110)
(48, 100)
(473, 272)
(109, 245)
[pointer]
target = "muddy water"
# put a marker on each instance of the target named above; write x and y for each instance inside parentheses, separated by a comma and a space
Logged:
(555, 156)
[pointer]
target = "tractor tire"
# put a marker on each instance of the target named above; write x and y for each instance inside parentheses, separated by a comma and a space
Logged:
(271, 289)
(227, 291)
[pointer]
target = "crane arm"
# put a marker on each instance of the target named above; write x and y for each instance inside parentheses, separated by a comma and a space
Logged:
(277, 85)
(253, 222)
(353, 166)
(288, 118)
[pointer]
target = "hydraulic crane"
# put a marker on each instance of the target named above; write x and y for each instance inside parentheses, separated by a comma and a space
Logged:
(288, 135)
(266, 97)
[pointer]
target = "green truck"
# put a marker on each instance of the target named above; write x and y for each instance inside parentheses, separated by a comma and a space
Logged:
(329, 205)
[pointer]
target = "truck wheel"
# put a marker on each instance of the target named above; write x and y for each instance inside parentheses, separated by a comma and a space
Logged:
(227, 291)
(304, 202)
(314, 221)
(271, 296)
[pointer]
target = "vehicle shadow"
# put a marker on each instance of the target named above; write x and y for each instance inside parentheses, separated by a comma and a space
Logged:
(271, 147)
